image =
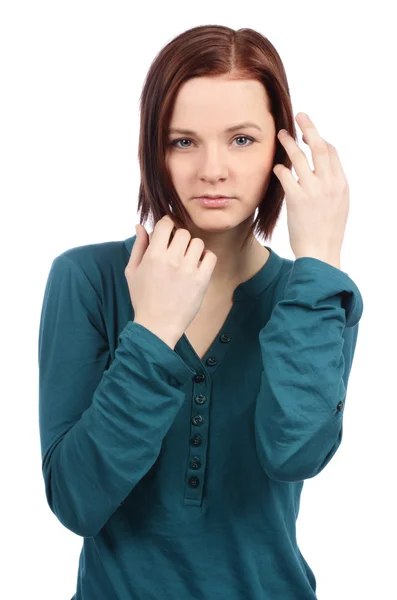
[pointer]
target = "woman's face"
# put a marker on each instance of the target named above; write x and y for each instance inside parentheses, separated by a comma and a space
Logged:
(215, 161)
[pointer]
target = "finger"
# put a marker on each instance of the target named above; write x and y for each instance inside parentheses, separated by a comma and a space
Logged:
(297, 157)
(336, 164)
(287, 180)
(161, 233)
(317, 144)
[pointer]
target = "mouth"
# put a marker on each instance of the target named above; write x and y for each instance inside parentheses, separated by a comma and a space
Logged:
(214, 197)
(215, 202)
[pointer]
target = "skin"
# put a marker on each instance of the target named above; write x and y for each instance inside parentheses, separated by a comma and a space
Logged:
(226, 163)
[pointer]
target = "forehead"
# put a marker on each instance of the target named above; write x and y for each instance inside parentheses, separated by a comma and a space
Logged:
(219, 100)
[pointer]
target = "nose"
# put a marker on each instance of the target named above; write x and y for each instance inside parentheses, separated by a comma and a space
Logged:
(213, 166)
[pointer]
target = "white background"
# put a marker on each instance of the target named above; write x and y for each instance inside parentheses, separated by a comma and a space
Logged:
(71, 76)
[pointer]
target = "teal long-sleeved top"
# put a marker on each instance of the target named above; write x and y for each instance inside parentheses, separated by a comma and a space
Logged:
(183, 475)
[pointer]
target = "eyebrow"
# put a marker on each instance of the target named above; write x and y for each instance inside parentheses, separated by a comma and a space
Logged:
(245, 125)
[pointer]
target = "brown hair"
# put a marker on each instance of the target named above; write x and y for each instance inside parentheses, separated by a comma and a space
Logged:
(207, 50)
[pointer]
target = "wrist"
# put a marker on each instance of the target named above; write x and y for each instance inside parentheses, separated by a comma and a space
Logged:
(169, 337)
(333, 260)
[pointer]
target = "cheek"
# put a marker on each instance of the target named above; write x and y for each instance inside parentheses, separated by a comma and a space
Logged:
(176, 168)
(256, 170)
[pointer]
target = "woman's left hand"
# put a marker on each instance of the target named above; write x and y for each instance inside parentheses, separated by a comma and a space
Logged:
(318, 203)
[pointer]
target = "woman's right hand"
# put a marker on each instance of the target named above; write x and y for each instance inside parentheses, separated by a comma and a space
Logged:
(167, 282)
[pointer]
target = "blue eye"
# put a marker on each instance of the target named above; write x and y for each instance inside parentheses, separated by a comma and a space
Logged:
(175, 142)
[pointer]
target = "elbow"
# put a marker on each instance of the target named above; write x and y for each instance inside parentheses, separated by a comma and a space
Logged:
(289, 475)
(81, 521)
(295, 467)
(283, 467)
(78, 523)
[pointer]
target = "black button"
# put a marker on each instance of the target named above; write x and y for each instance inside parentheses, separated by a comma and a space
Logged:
(200, 399)
(195, 463)
(211, 361)
(199, 377)
(340, 406)
(194, 481)
(196, 440)
(225, 338)
(197, 420)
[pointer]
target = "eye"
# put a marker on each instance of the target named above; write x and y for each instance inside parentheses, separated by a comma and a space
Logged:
(246, 137)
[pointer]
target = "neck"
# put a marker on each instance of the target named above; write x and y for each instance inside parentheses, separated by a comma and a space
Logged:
(235, 263)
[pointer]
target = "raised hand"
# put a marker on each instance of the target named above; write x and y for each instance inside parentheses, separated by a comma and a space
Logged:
(318, 203)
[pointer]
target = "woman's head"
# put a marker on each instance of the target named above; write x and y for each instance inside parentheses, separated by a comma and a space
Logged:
(205, 80)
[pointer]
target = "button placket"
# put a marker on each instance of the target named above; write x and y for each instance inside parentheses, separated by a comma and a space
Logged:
(200, 420)
(196, 461)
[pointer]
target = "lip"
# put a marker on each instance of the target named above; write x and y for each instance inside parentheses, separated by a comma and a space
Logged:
(214, 202)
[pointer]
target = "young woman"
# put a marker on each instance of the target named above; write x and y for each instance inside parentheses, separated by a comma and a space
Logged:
(192, 379)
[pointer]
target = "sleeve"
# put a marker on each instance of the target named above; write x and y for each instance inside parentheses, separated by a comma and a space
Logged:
(307, 349)
(101, 425)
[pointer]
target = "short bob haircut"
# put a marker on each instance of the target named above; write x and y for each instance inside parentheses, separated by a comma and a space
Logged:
(207, 50)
